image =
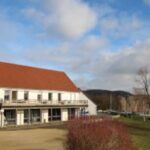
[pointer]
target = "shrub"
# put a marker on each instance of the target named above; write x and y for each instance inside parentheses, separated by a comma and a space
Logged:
(93, 133)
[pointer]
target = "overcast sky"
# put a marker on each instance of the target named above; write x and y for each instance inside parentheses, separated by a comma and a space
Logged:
(98, 43)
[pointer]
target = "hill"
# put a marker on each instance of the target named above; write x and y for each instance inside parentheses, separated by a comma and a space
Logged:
(103, 97)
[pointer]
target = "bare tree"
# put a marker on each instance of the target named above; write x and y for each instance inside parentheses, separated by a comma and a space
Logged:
(143, 79)
(142, 92)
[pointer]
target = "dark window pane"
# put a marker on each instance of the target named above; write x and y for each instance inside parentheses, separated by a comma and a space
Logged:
(59, 96)
(50, 96)
(39, 97)
(26, 95)
(7, 95)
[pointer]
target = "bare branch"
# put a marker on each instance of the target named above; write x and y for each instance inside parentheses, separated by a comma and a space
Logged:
(143, 79)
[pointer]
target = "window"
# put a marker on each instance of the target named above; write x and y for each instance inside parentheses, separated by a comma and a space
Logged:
(7, 95)
(49, 96)
(14, 95)
(10, 116)
(26, 95)
(39, 97)
(56, 114)
(59, 96)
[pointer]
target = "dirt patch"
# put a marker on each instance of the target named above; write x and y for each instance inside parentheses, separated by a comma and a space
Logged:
(36, 139)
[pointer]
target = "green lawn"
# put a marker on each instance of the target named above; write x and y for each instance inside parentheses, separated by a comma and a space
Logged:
(139, 130)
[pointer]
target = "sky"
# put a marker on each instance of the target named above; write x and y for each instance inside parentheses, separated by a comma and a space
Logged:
(100, 44)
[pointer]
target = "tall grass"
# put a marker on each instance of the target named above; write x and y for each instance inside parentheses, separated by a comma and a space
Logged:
(91, 133)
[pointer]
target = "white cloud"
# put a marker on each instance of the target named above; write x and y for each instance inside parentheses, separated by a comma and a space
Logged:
(92, 42)
(58, 55)
(117, 70)
(121, 25)
(90, 60)
(69, 19)
(69, 54)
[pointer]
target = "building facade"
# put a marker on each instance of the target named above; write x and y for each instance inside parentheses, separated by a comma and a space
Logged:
(33, 95)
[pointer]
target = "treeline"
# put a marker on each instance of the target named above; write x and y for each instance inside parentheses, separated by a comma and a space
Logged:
(106, 99)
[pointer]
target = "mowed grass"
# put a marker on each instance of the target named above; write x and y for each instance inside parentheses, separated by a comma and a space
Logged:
(35, 139)
(140, 131)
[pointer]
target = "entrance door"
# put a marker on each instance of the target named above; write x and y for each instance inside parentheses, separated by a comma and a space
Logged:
(71, 113)
(26, 116)
(35, 115)
(56, 114)
(14, 95)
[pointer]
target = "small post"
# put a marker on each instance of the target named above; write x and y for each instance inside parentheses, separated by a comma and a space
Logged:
(29, 116)
(51, 115)
(110, 107)
(2, 122)
(144, 118)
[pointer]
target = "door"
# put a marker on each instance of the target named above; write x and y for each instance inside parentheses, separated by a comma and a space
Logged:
(71, 113)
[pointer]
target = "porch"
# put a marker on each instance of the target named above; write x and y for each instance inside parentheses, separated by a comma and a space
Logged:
(38, 116)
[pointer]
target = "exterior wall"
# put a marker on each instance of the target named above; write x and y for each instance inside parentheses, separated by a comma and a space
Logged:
(45, 95)
(33, 96)
(66, 96)
(92, 107)
(34, 93)
(1, 94)
(20, 117)
(20, 95)
(64, 114)
(44, 115)
(55, 96)
(1, 119)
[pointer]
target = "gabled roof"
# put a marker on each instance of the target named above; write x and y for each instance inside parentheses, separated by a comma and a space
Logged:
(19, 76)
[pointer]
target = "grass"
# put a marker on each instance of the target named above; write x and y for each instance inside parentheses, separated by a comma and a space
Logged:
(140, 131)
(33, 139)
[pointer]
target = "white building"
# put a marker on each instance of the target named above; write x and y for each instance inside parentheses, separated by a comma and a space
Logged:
(34, 95)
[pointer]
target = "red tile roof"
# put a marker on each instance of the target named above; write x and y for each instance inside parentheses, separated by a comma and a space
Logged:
(18, 76)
